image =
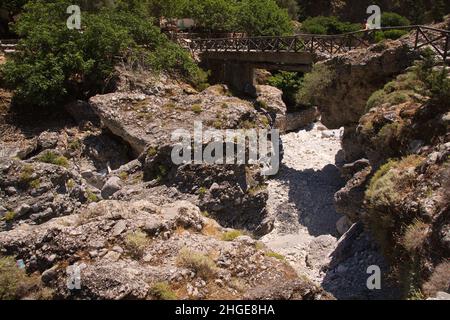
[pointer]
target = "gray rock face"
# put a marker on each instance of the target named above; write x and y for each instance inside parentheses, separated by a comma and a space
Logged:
(81, 111)
(47, 140)
(349, 200)
(301, 119)
(149, 120)
(42, 190)
(356, 76)
(271, 99)
(110, 233)
(111, 186)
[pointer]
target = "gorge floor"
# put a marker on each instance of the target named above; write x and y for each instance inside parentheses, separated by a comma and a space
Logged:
(301, 200)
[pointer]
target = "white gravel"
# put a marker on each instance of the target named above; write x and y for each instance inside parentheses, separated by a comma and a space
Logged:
(301, 199)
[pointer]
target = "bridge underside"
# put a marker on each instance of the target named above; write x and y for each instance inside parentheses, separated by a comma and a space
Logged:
(237, 68)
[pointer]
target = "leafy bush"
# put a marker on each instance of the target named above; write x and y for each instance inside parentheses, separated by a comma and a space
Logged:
(289, 83)
(389, 34)
(263, 18)
(328, 25)
(55, 62)
(316, 81)
(292, 7)
(437, 83)
(203, 265)
(391, 19)
(439, 86)
(213, 15)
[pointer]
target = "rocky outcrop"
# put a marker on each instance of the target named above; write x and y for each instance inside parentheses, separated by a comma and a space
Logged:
(37, 192)
(302, 119)
(131, 250)
(144, 120)
(349, 200)
(355, 76)
(401, 191)
(270, 100)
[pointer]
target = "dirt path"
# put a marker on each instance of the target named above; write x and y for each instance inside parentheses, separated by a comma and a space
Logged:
(301, 199)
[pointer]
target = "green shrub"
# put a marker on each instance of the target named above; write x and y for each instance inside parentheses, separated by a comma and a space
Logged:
(439, 86)
(9, 216)
(26, 175)
(231, 235)
(55, 63)
(123, 176)
(16, 284)
(383, 195)
(91, 197)
(75, 145)
(392, 19)
(314, 83)
(263, 18)
(135, 243)
(289, 83)
(328, 25)
(375, 99)
(202, 191)
(162, 291)
(53, 158)
(35, 184)
(203, 265)
(70, 184)
(205, 214)
(152, 151)
(197, 108)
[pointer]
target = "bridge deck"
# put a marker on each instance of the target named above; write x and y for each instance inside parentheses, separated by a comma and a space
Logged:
(320, 45)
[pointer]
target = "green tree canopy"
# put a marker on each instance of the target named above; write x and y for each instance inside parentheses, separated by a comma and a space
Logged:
(263, 18)
(328, 25)
(54, 62)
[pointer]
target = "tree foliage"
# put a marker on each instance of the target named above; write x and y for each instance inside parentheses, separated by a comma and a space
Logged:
(328, 25)
(263, 18)
(54, 62)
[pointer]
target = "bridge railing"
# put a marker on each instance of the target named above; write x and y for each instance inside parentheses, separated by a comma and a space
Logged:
(329, 45)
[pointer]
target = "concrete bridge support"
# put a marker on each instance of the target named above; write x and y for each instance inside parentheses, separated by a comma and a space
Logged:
(240, 76)
(237, 68)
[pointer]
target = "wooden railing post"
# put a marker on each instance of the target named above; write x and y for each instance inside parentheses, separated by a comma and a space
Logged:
(416, 43)
(446, 48)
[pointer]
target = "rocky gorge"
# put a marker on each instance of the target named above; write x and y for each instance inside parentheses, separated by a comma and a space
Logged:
(93, 187)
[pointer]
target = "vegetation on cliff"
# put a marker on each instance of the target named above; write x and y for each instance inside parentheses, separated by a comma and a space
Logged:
(406, 200)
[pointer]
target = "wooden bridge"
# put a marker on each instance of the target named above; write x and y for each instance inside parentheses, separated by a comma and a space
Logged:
(233, 60)
(8, 46)
(327, 45)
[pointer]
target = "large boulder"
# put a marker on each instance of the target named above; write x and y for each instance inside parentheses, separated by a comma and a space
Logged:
(142, 120)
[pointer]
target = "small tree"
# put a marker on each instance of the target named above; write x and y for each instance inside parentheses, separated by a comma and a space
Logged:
(263, 18)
